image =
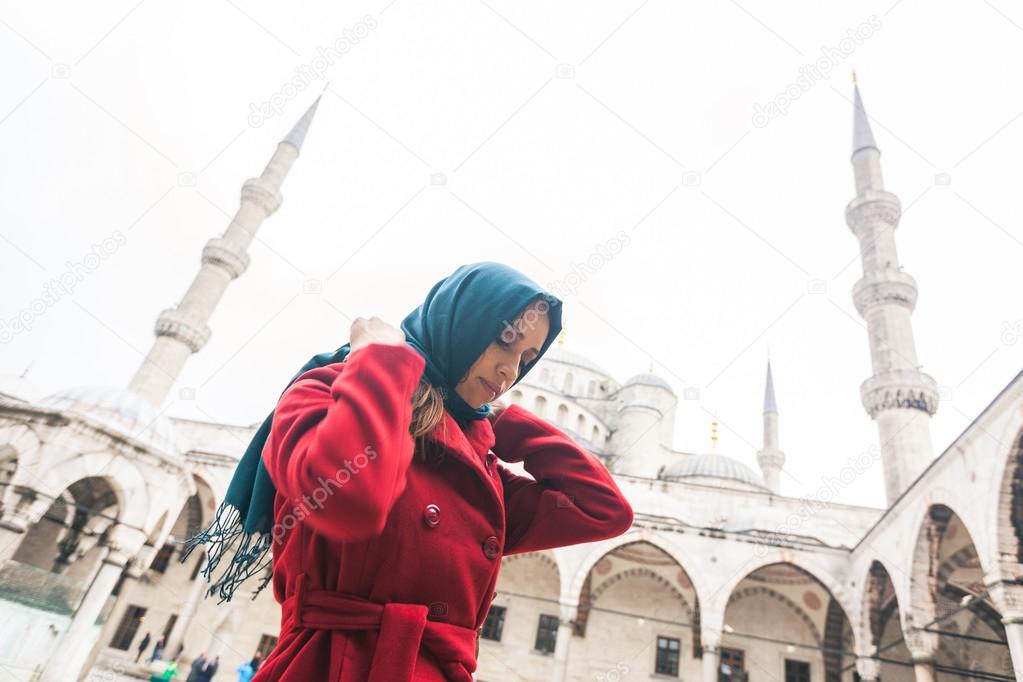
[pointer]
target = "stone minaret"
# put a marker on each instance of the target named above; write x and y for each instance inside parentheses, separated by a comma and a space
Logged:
(899, 397)
(183, 330)
(771, 458)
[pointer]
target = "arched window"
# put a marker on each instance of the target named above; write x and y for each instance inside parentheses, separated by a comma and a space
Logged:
(562, 414)
(567, 386)
(580, 425)
(545, 375)
(591, 390)
(595, 438)
(540, 406)
(516, 397)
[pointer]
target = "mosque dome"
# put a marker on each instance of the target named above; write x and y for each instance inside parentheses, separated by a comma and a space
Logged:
(121, 411)
(649, 380)
(712, 465)
(558, 354)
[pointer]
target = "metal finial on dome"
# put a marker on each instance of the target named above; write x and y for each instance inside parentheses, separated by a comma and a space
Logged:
(561, 338)
(713, 435)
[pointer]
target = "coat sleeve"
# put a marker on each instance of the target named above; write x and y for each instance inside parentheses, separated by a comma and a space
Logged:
(573, 498)
(339, 445)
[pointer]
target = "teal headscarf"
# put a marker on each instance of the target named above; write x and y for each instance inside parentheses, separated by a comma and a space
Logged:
(461, 316)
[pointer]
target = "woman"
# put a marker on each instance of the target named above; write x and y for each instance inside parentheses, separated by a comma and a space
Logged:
(391, 513)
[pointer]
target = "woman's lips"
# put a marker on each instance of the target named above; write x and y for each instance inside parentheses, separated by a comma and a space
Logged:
(490, 387)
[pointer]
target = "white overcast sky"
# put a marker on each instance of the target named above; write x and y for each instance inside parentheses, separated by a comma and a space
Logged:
(556, 126)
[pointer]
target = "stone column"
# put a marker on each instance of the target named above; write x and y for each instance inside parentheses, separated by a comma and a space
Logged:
(22, 509)
(177, 634)
(711, 644)
(236, 610)
(1014, 635)
(564, 641)
(869, 668)
(1008, 598)
(923, 650)
(132, 574)
(67, 660)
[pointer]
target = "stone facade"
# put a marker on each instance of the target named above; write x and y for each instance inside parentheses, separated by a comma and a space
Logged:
(721, 577)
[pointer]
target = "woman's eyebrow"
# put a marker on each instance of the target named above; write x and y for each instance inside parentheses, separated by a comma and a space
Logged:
(522, 335)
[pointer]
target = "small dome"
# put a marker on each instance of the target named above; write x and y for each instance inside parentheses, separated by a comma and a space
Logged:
(558, 354)
(121, 411)
(649, 380)
(712, 465)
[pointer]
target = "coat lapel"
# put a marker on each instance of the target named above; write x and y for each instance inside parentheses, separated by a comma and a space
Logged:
(471, 446)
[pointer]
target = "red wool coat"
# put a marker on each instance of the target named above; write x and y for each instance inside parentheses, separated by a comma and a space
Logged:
(386, 564)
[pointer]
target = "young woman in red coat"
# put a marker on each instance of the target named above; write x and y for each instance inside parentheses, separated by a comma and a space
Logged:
(390, 510)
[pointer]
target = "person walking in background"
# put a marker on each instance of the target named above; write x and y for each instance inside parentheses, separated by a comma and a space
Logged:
(247, 669)
(197, 664)
(142, 647)
(208, 670)
(158, 650)
(168, 674)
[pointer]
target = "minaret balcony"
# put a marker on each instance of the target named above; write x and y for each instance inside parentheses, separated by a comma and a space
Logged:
(884, 287)
(872, 207)
(262, 194)
(228, 255)
(899, 388)
(183, 327)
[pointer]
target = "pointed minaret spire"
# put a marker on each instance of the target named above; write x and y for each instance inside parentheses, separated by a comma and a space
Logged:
(184, 329)
(898, 397)
(770, 458)
(866, 156)
(297, 134)
(770, 405)
(863, 136)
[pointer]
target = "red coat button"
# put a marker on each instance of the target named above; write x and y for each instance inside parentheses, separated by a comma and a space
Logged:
(491, 547)
(431, 515)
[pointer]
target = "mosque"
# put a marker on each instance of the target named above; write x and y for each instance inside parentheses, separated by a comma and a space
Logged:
(720, 578)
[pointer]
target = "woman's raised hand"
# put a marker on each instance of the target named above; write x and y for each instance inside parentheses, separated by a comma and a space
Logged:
(374, 330)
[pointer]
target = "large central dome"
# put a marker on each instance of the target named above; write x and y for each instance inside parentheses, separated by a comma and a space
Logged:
(713, 465)
(121, 411)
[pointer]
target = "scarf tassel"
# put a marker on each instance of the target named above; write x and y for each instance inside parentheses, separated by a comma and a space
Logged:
(250, 557)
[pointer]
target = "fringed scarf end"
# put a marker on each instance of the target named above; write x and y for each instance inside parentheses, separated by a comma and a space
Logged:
(251, 556)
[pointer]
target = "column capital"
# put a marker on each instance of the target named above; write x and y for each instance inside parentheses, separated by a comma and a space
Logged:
(869, 668)
(922, 644)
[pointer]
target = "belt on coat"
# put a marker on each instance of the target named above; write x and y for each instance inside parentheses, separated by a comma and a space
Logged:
(403, 629)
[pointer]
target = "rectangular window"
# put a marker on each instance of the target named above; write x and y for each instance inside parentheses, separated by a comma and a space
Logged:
(266, 645)
(732, 667)
(797, 671)
(126, 629)
(547, 634)
(667, 656)
(169, 626)
(162, 559)
(493, 626)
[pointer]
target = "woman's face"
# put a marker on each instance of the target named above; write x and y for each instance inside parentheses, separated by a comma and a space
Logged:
(499, 366)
